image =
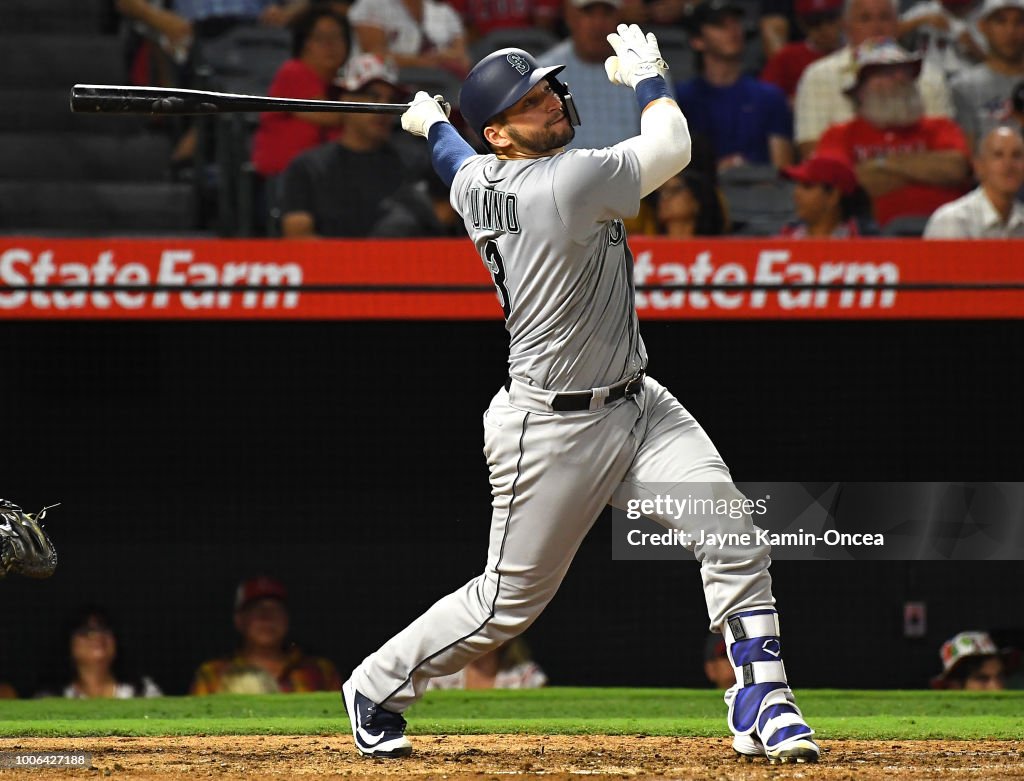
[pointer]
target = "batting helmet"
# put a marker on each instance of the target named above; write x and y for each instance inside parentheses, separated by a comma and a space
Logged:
(502, 78)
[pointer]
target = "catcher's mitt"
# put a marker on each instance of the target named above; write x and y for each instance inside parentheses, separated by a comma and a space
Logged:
(25, 549)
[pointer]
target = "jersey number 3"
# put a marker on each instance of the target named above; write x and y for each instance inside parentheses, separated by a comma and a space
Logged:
(496, 265)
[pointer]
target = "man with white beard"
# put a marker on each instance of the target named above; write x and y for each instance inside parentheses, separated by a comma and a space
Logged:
(908, 163)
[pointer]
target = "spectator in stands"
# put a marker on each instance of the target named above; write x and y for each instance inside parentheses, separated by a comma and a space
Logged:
(971, 661)
(688, 205)
(820, 101)
(415, 33)
(506, 667)
(991, 211)
(187, 20)
(747, 121)
(96, 662)
(908, 163)
(265, 662)
(187, 23)
(420, 209)
(829, 202)
(341, 188)
(981, 94)
(321, 42)
(1016, 114)
(483, 17)
(608, 112)
(819, 20)
(717, 667)
(945, 31)
(650, 12)
(778, 26)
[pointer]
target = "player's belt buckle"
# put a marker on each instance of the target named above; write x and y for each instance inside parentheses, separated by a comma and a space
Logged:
(634, 384)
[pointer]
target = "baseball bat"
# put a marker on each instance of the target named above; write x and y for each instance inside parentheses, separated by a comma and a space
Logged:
(118, 99)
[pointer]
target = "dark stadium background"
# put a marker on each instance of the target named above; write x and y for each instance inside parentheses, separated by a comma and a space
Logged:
(345, 458)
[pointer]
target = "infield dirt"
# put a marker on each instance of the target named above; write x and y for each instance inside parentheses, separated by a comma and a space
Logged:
(482, 757)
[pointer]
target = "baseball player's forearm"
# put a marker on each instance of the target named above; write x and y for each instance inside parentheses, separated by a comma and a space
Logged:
(663, 146)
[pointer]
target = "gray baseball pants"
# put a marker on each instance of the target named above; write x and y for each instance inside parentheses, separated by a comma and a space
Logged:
(552, 473)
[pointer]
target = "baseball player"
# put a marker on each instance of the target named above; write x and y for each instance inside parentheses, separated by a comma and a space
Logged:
(578, 419)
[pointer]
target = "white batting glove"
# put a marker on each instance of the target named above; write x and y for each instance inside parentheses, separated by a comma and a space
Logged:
(636, 57)
(423, 112)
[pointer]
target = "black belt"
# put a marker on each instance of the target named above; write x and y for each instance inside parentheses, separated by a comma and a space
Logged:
(576, 401)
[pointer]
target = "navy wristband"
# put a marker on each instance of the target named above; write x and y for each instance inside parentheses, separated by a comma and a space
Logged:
(651, 89)
(448, 150)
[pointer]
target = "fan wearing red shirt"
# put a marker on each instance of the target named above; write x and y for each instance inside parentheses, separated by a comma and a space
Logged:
(485, 16)
(820, 22)
(908, 163)
(320, 46)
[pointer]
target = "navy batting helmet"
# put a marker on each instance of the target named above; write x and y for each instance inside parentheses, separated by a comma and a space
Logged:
(500, 79)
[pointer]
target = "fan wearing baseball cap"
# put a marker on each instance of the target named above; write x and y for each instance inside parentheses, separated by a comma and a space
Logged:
(344, 188)
(971, 661)
(819, 21)
(610, 114)
(746, 120)
(908, 163)
(820, 101)
(265, 662)
(945, 32)
(829, 203)
(981, 94)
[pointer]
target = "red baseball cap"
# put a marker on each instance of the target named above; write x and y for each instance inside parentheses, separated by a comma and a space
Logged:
(259, 588)
(824, 170)
(812, 7)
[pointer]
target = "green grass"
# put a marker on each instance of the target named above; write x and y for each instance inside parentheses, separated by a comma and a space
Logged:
(834, 714)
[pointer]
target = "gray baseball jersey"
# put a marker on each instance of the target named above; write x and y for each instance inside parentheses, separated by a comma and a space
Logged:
(549, 230)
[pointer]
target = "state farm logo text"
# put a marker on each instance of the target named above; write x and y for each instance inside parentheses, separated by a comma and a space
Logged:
(773, 267)
(176, 267)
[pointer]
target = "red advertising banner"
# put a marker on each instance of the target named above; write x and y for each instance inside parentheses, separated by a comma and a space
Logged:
(445, 279)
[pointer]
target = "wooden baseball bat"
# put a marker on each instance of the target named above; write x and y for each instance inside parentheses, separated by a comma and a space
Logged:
(120, 99)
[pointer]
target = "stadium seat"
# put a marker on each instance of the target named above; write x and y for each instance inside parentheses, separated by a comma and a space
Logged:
(252, 52)
(751, 16)
(84, 156)
(532, 39)
(674, 44)
(432, 80)
(910, 226)
(36, 110)
(760, 202)
(748, 174)
(96, 207)
(79, 17)
(59, 61)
